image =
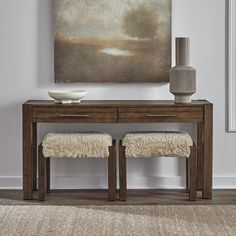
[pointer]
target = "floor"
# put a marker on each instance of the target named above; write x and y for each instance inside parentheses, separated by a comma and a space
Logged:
(135, 197)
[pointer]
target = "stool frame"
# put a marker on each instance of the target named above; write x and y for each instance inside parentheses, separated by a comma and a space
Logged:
(44, 173)
(191, 173)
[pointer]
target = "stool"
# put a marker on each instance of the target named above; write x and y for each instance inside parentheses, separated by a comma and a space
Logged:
(75, 145)
(158, 144)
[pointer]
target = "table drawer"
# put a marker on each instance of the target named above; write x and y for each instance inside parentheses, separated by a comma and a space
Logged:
(82, 115)
(165, 114)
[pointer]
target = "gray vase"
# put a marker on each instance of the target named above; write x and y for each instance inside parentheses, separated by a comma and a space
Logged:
(182, 76)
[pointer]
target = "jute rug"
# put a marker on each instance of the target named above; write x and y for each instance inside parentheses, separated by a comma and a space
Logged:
(117, 220)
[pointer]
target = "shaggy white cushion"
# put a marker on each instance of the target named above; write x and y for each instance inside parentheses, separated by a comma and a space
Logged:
(157, 144)
(75, 145)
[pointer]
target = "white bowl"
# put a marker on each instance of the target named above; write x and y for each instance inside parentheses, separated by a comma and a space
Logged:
(67, 96)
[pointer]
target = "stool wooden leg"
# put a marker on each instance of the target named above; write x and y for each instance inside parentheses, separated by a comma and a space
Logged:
(112, 174)
(48, 175)
(187, 175)
(41, 174)
(34, 169)
(122, 172)
(193, 174)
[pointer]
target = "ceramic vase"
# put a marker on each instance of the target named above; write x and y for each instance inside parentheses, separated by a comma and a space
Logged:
(182, 76)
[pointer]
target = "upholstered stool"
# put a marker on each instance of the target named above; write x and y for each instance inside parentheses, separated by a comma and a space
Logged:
(76, 145)
(158, 144)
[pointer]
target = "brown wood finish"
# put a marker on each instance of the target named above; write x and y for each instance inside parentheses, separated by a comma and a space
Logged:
(27, 152)
(200, 159)
(120, 111)
(112, 173)
(162, 117)
(60, 111)
(48, 177)
(187, 175)
(162, 109)
(122, 173)
(116, 103)
(193, 174)
(160, 114)
(34, 157)
(42, 174)
(83, 115)
(208, 151)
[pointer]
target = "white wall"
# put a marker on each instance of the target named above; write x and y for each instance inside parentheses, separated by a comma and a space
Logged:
(26, 66)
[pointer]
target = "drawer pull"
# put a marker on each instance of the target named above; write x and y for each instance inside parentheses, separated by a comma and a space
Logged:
(156, 115)
(75, 115)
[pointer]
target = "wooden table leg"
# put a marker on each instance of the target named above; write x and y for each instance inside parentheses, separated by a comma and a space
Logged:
(34, 156)
(42, 174)
(122, 173)
(193, 175)
(208, 151)
(27, 152)
(112, 173)
(200, 158)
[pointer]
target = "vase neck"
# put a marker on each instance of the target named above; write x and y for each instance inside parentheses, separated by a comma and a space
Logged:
(182, 51)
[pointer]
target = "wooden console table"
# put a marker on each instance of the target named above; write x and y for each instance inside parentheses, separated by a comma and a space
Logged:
(199, 112)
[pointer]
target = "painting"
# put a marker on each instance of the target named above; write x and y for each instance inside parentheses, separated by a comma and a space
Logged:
(117, 41)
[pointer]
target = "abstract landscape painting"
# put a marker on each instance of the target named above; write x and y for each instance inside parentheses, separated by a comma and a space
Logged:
(117, 41)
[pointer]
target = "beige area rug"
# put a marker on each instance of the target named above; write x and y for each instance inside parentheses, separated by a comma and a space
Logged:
(117, 220)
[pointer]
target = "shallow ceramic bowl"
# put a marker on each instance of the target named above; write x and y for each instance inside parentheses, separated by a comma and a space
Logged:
(67, 96)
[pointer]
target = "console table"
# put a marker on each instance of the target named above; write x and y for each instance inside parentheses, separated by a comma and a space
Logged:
(199, 112)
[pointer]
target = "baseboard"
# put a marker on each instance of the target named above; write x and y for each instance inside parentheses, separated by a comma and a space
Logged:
(10, 182)
(224, 182)
(134, 182)
(99, 182)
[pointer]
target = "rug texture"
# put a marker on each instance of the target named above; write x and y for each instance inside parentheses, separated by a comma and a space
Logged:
(117, 220)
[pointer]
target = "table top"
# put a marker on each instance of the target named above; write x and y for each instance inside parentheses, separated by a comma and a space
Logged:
(117, 103)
